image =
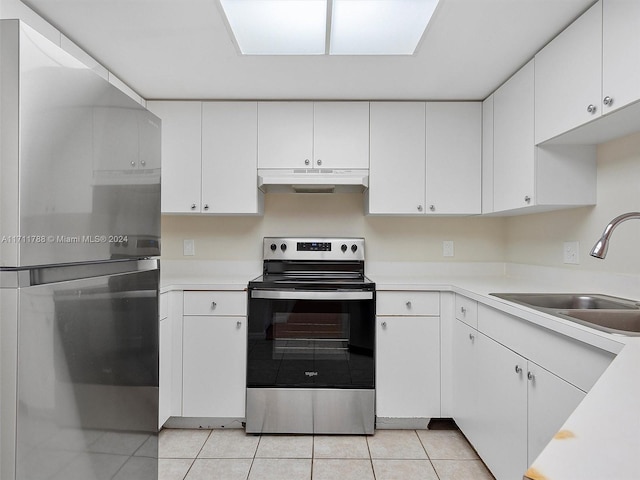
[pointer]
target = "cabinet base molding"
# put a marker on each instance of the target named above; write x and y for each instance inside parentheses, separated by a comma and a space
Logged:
(204, 422)
(413, 423)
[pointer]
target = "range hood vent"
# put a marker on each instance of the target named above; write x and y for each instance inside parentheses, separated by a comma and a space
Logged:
(313, 180)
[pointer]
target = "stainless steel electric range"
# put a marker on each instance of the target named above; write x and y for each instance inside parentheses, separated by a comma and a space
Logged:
(311, 338)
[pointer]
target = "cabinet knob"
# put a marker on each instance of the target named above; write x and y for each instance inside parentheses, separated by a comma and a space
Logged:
(518, 369)
(306, 161)
(193, 206)
(206, 206)
(408, 304)
(531, 376)
(432, 208)
(463, 310)
(143, 163)
(238, 324)
(213, 305)
(608, 101)
(319, 162)
(383, 324)
(133, 164)
(591, 108)
(419, 208)
(527, 199)
(472, 337)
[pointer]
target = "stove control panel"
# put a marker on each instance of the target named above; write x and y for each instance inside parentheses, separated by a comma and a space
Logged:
(279, 248)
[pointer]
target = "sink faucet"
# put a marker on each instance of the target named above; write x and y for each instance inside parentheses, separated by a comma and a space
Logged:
(599, 250)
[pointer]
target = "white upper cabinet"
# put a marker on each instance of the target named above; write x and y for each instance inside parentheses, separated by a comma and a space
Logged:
(454, 157)
(285, 134)
(313, 135)
(229, 158)
(181, 155)
(397, 158)
(568, 84)
(513, 148)
(620, 53)
(426, 158)
(341, 135)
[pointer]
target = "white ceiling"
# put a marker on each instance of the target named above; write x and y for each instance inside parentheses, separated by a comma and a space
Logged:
(181, 49)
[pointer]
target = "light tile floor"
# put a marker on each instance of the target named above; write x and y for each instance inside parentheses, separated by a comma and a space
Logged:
(387, 455)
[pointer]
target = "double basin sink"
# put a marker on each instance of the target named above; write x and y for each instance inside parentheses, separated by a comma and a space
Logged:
(609, 314)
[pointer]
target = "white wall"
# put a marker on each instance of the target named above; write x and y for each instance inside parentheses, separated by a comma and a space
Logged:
(538, 239)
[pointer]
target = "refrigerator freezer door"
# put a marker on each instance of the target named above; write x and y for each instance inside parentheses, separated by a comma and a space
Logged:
(87, 396)
(80, 167)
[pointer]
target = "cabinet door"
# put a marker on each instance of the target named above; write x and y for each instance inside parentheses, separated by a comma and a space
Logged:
(285, 134)
(181, 155)
(229, 158)
(487, 155)
(551, 400)
(513, 149)
(164, 381)
(214, 366)
(568, 77)
(341, 135)
(397, 158)
(465, 380)
(408, 367)
(502, 407)
(454, 157)
(620, 53)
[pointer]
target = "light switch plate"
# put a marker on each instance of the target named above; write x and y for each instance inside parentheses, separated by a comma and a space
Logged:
(447, 248)
(570, 253)
(189, 248)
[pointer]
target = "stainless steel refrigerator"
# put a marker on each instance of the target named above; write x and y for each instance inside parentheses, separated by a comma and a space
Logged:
(79, 269)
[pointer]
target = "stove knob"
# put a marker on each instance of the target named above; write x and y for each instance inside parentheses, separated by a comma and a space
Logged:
(343, 247)
(283, 247)
(273, 247)
(354, 247)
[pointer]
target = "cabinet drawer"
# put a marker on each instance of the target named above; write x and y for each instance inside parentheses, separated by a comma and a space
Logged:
(467, 311)
(408, 303)
(215, 303)
(576, 362)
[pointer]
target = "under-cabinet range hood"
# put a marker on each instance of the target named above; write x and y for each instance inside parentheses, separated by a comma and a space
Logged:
(313, 180)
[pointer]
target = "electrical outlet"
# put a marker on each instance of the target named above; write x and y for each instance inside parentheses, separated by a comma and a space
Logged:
(189, 247)
(447, 248)
(570, 252)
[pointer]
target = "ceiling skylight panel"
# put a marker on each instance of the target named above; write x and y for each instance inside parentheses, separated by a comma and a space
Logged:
(278, 27)
(379, 27)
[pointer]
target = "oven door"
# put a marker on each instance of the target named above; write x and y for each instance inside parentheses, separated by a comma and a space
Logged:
(311, 339)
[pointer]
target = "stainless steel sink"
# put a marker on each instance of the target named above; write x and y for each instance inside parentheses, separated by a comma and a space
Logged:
(603, 312)
(568, 301)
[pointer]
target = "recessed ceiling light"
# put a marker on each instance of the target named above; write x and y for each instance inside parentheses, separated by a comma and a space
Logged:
(278, 27)
(299, 27)
(379, 27)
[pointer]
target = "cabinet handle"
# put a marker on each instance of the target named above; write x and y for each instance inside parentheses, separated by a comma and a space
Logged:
(306, 161)
(419, 208)
(472, 337)
(591, 108)
(238, 324)
(319, 162)
(213, 305)
(527, 199)
(531, 376)
(383, 324)
(463, 310)
(608, 101)
(432, 208)
(206, 206)
(518, 369)
(193, 206)
(408, 304)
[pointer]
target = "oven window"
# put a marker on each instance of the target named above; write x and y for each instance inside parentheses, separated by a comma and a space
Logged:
(319, 343)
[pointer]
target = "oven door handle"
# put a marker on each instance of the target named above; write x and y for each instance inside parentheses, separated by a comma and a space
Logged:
(311, 295)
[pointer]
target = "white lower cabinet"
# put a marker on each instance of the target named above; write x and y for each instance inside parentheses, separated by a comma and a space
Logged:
(407, 358)
(214, 353)
(164, 380)
(465, 379)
